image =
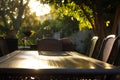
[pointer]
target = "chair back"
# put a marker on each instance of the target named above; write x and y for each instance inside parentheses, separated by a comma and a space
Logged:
(107, 47)
(117, 59)
(67, 44)
(3, 47)
(115, 55)
(49, 45)
(92, 45)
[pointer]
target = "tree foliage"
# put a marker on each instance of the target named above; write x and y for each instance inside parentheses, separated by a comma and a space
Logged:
(11, 14)
(89, 12)
(69, 25)
(72, 10)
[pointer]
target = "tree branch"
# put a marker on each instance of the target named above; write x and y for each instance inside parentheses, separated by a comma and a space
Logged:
(87, 15)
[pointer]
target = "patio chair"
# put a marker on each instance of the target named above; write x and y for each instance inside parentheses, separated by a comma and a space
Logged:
(117, 60)
(49, 45)
(67, 44)
(108, 49)
(92, 45)
(3, 47)
(115, 55)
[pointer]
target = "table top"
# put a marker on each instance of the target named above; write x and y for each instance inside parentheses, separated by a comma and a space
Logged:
(54, 61)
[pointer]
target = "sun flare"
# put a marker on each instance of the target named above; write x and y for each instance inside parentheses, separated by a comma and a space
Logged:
(38, 8)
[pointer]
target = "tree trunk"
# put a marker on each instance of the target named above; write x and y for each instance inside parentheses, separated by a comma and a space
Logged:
(116, 20)
(100, 31)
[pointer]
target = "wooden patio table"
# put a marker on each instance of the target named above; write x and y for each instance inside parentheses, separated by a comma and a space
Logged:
(54, 65)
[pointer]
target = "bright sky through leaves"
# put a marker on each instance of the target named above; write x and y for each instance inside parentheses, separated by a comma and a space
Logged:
(39, 9)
